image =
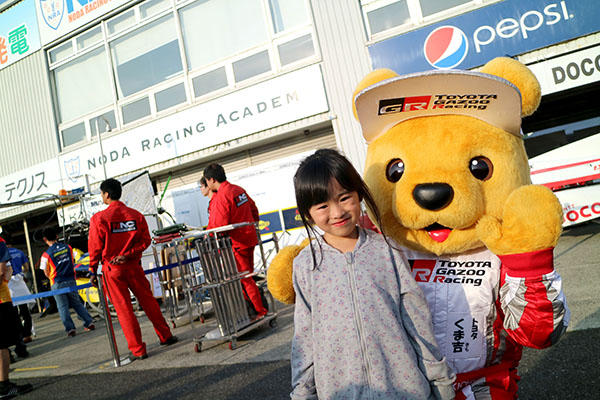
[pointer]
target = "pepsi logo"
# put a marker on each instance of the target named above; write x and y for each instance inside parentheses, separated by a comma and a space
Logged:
(446, 47)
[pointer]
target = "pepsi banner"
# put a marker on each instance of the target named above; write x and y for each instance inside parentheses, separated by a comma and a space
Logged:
(269, 223)
(291, 218)
(507, 28)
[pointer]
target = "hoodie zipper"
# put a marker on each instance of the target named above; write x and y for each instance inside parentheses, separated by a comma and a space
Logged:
(358, 319)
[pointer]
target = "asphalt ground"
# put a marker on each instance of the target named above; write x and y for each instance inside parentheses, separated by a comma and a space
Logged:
(82, 367)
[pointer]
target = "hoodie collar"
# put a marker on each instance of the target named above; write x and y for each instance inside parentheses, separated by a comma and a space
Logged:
(362, 239)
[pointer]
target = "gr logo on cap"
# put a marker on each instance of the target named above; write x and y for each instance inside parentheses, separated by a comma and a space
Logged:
(452, 92)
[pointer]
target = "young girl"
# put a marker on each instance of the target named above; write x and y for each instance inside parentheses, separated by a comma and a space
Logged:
(362, 328)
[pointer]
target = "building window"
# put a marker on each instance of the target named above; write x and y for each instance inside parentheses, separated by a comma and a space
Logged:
(253, 65)
(146, 57)
(103, 123)
(391, 16)
(213, 30)
(73, 134)
(135, 110)
(170, 97)
(287, 14)
(152, 7)
(89, 38)
(158, 54)
(296, 49)
(388, 16)
(210, 81)
(74, 79)
(429, 7)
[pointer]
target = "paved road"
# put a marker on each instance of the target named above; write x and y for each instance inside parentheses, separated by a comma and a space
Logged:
(81, 367)
(567, 371)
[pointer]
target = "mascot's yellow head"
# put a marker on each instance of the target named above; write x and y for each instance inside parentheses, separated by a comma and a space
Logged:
(445, 150)
(446, 163)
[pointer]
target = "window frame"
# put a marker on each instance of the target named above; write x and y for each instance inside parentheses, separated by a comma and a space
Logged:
(186, 76)
(417, 19)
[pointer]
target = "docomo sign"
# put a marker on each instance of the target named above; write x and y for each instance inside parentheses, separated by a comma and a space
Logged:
(571, 70)
(580, 204)
(528, 22)
(583, 214)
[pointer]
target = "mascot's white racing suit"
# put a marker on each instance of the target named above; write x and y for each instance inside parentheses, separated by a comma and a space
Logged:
(485, 308)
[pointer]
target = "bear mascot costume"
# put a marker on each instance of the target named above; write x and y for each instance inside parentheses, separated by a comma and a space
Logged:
(447, 167)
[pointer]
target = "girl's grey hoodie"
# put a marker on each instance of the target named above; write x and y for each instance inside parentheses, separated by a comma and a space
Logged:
(362, 328)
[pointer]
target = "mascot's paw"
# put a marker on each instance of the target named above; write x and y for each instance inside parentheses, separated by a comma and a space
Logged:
(279, 273)
(531, 220)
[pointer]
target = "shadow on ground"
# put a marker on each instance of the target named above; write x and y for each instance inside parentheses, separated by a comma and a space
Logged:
(567, 370)
(238, 381)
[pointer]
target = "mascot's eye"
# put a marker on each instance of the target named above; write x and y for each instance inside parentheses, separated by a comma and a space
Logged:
(481, 168)
(394, 170)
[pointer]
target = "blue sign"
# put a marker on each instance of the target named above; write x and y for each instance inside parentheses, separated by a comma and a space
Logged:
(269, 223)
(507, 28)
(291, 218)
(19, 35)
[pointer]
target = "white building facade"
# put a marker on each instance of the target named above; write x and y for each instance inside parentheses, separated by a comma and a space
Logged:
(95, 88)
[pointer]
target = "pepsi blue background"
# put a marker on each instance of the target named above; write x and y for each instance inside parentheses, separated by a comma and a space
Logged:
(404, 53)
(274, 222)
(289, 218)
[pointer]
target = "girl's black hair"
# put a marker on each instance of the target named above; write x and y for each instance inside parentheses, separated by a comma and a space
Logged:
(312, 185)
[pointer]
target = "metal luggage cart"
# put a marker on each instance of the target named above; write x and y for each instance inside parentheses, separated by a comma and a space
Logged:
(176, 250)
(224, 284)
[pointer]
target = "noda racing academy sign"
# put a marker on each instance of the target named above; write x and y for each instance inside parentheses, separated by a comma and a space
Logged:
(287, 98)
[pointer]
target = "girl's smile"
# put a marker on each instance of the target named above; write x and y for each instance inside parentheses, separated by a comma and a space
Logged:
(338, 217)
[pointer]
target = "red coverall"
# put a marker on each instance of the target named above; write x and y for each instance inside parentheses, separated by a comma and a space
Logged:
(230, 205)
(123, 231)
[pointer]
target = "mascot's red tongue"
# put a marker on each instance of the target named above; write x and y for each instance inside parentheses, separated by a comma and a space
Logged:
(439, 235)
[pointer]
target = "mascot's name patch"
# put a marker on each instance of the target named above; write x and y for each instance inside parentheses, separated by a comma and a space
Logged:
(419, 103)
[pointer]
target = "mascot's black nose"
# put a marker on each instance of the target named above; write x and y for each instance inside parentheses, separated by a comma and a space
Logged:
(433, 196)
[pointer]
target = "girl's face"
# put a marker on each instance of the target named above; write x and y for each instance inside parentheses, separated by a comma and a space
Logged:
(339, 215)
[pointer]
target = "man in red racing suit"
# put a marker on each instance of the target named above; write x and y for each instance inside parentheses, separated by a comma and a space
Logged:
(229, 205)
(485, 308)
(117, 238)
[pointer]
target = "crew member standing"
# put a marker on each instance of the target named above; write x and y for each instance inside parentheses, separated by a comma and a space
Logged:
(9, 331)
(117, 238)
(230, 205)
(17, 285)
(57, 263)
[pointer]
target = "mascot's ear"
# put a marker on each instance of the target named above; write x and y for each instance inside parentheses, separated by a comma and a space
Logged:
(372, 78)
(520, 76)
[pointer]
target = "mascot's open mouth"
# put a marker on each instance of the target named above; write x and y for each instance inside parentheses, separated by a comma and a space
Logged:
(438, 232)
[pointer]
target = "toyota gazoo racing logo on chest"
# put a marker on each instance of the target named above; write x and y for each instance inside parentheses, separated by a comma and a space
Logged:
(447, 271)
(446, 47)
